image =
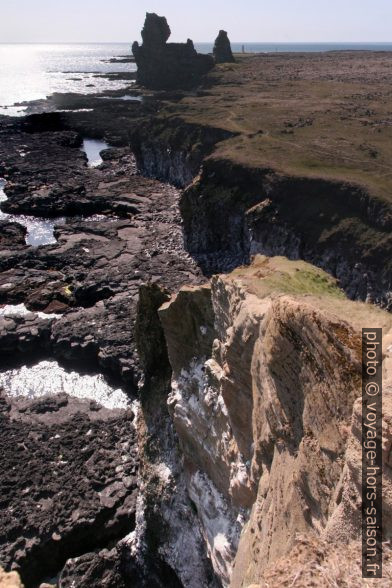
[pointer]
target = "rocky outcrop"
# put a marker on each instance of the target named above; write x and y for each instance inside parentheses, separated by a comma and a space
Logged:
(222, 49)
(165, 66)
(92, 275)
(12, 234)
(266, 370)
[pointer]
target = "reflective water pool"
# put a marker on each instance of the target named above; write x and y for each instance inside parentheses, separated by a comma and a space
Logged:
(93, 148)
(48, 377)
(40, 231)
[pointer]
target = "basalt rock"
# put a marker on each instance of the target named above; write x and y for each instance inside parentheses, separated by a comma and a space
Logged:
(11, 233)
(68, 482)
(166, 66)
(169, 525)
(95, 269)
(222, 49)
(232, 211)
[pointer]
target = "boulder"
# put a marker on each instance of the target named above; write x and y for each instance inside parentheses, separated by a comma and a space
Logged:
(12, 233)
(222, 49)
(167, 66)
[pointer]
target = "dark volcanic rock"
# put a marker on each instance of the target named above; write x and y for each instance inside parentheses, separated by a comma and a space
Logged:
(93, 273)
(166, 66)
(92, 276)
(156, 31)
(19, 335)
(67, 484)
(104, 568)
(12, 233)
(116, 569)
(222, 49)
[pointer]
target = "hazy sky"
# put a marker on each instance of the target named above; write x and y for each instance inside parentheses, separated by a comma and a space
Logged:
(246, 20)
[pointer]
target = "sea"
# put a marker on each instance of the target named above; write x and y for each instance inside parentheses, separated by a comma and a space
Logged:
(34, 71)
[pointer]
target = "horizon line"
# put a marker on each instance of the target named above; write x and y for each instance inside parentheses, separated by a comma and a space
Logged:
(196, 42)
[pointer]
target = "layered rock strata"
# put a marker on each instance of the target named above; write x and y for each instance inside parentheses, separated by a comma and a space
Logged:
(266, 373)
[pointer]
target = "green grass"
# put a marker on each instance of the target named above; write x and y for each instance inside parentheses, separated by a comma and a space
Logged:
(277, 276)
(280, 275)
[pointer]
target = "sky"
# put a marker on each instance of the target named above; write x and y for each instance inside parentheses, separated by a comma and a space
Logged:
(48, 21)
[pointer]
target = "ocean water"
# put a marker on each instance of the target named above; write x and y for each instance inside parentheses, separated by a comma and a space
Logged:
(32, 72)
(251, 47)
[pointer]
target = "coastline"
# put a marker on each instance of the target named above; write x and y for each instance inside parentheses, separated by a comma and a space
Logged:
(187, 190)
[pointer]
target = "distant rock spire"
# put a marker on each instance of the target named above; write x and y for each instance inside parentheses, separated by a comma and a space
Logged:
(222, 49)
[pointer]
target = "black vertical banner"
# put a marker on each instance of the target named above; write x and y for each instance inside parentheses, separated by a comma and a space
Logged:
(372, 453)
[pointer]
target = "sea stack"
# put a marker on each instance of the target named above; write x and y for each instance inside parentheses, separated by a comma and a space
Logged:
(222, 49)
(167, 66)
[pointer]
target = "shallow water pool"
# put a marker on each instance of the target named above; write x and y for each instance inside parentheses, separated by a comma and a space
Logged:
(93, 148)
(40, 231)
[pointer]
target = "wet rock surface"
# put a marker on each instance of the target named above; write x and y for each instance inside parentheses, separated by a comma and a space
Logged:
(26, 336)
(93, 273)
(68, 481)
(120, 231)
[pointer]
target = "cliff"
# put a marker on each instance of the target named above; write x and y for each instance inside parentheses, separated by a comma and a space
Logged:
(233, 211)
(266, 370)
(280, 177)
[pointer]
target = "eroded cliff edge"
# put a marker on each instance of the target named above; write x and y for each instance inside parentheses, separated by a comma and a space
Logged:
(263, 153)
(266, 373)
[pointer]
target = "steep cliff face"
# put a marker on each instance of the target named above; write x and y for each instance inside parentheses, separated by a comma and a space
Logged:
(168, 542)
(232, 211)
(266, 372)
(171, 149)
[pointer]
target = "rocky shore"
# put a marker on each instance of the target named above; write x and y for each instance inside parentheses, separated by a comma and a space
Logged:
(245, 385)
(75, 301)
